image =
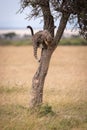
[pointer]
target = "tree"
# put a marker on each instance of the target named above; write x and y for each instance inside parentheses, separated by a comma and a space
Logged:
(10, 35)
(50, 10)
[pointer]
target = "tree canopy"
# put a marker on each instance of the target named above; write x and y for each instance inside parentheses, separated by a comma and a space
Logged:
(76, 8)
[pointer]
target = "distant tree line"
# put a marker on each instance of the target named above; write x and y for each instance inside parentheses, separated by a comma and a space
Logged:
(13, 35)
(10, 35)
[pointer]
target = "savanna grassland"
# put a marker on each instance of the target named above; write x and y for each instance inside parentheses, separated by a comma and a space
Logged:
(65, 91)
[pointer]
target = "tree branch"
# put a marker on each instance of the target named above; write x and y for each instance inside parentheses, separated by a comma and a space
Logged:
(61, 28)
(48, 18)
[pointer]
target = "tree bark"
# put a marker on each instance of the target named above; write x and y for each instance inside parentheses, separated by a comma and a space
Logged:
(39, 77)
(61, 27)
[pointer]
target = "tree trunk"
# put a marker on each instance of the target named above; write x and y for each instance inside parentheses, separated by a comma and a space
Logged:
(39, 77)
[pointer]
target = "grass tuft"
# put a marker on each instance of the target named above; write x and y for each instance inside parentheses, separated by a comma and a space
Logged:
(45, 110)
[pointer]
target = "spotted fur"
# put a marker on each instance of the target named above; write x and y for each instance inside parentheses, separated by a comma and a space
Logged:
(42, 38)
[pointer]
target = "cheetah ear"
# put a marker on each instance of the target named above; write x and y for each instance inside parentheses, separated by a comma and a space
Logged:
(46, 42)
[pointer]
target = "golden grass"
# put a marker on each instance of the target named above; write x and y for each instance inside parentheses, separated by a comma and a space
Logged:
(65, 89)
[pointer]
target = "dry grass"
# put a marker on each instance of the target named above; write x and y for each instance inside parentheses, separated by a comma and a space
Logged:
(65, 89)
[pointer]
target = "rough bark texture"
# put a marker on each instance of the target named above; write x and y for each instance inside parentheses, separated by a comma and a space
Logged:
(39, 77)
(61, 27)
(48, 20)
